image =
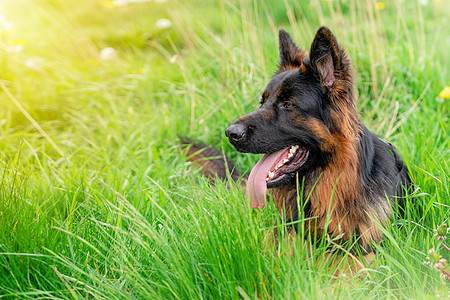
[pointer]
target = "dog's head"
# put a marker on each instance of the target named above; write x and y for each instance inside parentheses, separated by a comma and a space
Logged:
(306, 110)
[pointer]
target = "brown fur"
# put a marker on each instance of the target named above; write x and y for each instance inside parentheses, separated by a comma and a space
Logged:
(353, 177)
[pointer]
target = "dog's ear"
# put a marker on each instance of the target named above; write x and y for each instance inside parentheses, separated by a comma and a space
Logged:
(291, 56)
(328, 59)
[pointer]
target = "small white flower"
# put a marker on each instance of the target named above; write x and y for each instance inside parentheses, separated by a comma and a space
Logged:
(173, 59)
(14, 48)
(120, 2)
(126, 2)
(8, 25)
(35, 63)
(163, 23)
(108, 53)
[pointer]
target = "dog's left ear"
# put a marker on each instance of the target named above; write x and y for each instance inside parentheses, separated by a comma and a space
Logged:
(328, 59)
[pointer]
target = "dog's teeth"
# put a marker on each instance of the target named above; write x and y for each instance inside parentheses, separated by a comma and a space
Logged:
(290, 155)
(285, 160)
(279, 165)
(267, 179)
(292, 150)
(271, 174)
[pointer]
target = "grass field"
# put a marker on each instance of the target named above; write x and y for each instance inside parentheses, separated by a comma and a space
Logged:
(96, 198)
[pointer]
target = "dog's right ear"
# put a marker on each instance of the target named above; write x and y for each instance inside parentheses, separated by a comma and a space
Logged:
(291, 56)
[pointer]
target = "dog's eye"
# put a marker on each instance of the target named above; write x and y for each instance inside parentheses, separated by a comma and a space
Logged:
(288, 104)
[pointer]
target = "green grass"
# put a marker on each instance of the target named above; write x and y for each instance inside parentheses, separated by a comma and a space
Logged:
(122, 215)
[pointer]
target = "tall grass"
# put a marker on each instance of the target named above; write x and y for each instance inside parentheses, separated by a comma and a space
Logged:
(119, 213)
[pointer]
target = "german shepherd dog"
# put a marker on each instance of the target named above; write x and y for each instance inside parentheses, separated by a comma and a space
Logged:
(316, 146)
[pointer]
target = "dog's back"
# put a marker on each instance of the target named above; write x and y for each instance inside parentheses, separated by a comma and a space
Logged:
(211, 162)
(383, 171)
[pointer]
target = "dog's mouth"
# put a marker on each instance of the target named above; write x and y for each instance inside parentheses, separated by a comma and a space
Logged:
(272, 170)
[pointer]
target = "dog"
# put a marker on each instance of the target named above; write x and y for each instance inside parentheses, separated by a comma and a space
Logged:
(315, 148)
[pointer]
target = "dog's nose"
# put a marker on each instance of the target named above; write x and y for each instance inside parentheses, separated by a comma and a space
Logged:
(236, 132)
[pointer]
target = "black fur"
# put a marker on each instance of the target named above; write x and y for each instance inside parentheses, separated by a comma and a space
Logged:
(309, 102)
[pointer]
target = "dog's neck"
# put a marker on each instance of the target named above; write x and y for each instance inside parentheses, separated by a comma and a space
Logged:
(331, 190)
(331, 198)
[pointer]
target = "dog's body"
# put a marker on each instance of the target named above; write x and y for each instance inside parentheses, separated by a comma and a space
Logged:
(316, 146)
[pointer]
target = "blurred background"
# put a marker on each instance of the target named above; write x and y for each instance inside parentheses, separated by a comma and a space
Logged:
(90, 71)
(93, 97)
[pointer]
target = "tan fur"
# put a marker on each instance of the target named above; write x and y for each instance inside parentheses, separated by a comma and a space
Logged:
(338, 209)
(334, 199)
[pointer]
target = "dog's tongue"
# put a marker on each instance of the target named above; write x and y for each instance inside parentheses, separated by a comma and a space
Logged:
(257, 185)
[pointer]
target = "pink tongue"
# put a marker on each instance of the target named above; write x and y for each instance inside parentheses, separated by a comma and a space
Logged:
(257, 185)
